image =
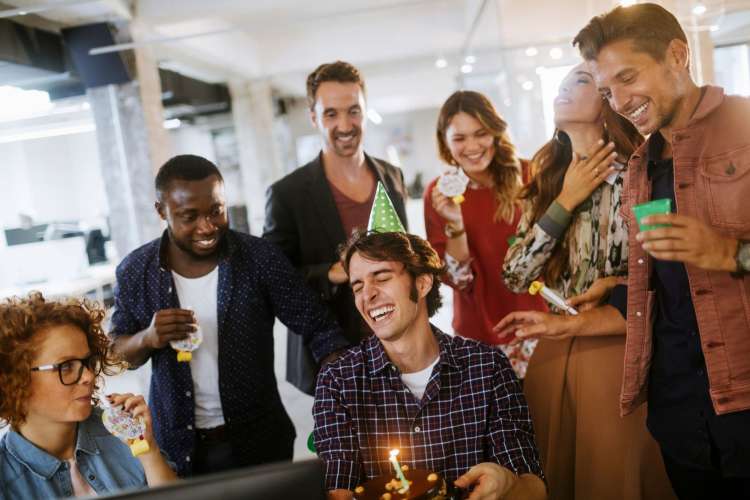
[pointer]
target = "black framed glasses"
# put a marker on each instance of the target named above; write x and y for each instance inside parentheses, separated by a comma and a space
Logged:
(71, 371)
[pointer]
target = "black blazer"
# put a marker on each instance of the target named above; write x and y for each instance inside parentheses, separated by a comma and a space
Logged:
(302, 219)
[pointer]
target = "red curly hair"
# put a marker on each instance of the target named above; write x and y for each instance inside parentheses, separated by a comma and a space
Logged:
(20, 319)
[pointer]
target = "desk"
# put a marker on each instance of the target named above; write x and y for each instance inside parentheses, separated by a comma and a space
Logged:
(96, 283)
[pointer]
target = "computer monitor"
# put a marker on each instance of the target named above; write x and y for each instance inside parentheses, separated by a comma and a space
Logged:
(282, 480)
(21, 236)
(95, 247)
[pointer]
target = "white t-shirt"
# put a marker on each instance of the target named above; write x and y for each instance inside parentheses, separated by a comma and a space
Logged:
(417, 381)
(200, 295)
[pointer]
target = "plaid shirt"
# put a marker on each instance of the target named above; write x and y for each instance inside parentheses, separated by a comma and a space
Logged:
(472, 411)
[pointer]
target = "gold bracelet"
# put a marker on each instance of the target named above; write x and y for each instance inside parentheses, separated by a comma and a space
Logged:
(451, 231)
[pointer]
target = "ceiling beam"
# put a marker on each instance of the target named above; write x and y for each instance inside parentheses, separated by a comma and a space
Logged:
(42, 7)
(120, 8)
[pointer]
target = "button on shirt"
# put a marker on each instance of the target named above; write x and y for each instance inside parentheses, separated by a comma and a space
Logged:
(256, 284)
(472, 411)
(104, 462)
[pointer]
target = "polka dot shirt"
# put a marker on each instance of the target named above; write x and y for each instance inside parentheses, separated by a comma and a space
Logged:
(256, 284)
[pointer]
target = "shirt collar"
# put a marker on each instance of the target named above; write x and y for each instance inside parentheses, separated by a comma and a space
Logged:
(711, 98)
(85, 441)
(39, 461)
(377, 359)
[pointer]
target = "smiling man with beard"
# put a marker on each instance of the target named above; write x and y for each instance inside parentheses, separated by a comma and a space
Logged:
(222, 409)
(687, 299)
(451, 405)
(313, 210)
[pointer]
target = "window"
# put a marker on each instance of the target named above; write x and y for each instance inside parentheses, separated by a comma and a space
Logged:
(732, 69)
(551, 79)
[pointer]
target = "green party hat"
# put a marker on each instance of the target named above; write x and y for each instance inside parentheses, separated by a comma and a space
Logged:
(383, 217)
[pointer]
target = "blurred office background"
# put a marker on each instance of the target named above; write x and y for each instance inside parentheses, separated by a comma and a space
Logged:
(96, 94)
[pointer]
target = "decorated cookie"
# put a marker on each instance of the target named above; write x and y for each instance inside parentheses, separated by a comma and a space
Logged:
(124, 426)
(186, 346)
(453, 184)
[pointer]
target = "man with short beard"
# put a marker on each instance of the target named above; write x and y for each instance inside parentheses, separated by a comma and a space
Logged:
(687, 300)
(313, 210)
(222, 409)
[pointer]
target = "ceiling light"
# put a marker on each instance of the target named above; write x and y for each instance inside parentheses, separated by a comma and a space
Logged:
(627, 3)
(539, 70)
(555, 53)
(172, 123)
(699, 9)
(507, 102)
(713, 28)
(467, 68)
(441, 63)
(527, 85)
(374, 116)
(19, 104)
(470, 59)
(531, 51)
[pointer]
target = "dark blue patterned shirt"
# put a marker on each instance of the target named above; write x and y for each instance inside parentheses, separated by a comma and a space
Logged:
(256, 284)
(472, 411)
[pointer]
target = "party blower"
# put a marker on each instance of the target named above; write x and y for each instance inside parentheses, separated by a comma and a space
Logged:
(551, 296)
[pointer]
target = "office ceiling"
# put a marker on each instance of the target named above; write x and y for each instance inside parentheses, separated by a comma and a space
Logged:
(394, 42)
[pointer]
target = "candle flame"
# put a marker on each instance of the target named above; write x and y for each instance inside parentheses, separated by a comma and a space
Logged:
(394, 453)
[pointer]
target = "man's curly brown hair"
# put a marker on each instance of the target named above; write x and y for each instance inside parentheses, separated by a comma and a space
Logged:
(20, 319)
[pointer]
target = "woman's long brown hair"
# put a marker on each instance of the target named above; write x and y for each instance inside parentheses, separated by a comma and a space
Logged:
(504, 168)
(548, 168)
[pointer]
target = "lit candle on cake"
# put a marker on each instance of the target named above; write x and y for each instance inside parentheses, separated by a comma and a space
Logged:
(399, 472)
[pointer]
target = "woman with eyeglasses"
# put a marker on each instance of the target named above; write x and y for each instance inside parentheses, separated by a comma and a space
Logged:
(52, 355)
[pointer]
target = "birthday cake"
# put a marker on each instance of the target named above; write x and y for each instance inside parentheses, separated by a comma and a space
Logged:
(423, 485)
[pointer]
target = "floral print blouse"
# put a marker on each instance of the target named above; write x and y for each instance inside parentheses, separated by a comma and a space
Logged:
(596, 237)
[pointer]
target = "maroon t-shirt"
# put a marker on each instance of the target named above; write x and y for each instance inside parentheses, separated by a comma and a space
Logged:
(353, 214)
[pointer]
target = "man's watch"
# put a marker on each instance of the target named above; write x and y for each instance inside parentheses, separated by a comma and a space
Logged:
(742, 258)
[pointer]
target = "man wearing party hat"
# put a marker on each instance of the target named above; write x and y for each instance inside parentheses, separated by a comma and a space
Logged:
(444, 404)
(313, 210)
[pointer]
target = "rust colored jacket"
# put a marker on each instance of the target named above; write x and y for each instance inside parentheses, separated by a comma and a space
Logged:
(712, 183)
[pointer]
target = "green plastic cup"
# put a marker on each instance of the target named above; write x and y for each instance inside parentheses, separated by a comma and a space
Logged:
(311, 443)
(655, 207)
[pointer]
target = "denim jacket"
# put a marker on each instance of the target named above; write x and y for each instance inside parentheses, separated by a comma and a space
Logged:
(105, 463)
(711, 157)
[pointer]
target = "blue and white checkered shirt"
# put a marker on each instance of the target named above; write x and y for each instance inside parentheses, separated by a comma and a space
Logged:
(472, 411)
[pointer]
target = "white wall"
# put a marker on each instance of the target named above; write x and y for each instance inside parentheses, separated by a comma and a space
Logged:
(51, 179)
(15, 195)
(196, 139)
